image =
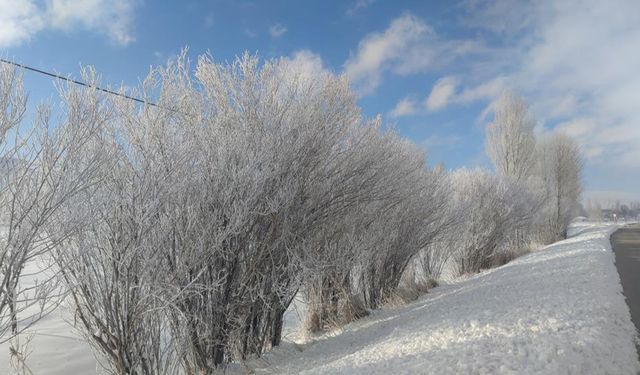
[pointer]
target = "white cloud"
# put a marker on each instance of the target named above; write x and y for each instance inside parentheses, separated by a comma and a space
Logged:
(576, 62)
(305, 63)
(487, 90)
(358, 6)
(506, 17)
(277, 30)
(111, 17)
(20, 20)
(567, 105)
(441, 93)
(590, 51)
(381, 51)
(407, 46)
(405, 107)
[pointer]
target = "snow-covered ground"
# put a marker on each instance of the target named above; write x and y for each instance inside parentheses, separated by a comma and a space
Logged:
(559, 310)
(556, 311)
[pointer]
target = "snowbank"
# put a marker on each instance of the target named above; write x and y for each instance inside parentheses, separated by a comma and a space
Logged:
(556, 311)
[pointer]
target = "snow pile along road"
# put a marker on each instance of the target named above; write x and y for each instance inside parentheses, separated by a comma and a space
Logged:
(556, 311)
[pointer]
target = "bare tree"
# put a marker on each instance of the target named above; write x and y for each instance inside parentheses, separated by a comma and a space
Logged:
(413, 225)
(510, 141)
(43, 168)
(549, 169)
(492, 207)
(206, 204)
(560, 168)
(390, 182)
(431, 261)
(113, 263)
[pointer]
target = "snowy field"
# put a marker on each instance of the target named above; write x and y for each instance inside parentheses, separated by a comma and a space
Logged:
(557, 311)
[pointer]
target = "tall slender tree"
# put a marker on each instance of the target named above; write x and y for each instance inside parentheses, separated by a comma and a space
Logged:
(510, 140)
(560, 167)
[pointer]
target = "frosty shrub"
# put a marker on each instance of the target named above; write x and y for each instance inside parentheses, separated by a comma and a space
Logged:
(245, 184)
(493, 208)
(405, 230)
(392, 182)
(41, 168)
(184, 230)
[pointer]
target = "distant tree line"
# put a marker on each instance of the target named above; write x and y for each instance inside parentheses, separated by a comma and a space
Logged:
(595, 210)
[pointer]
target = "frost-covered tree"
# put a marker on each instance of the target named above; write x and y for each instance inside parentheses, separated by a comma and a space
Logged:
(42, 168)
(560, 169)
(412, 225)
(510, 141)
(547, 170)
(211, 202)
(493, 207)
(358, 259)
(110, 264)
(432, 260)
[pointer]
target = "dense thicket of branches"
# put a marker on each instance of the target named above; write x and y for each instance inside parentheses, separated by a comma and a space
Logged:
(183, 231)
(250, 183)
(494, 208)
(40, 170)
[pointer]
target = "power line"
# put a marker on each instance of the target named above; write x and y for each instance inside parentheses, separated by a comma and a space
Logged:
(84, 84)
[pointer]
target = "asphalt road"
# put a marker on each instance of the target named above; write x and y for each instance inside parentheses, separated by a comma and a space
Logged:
(626, 246)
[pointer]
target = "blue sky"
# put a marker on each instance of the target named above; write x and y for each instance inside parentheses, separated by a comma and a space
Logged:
(431, 68)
